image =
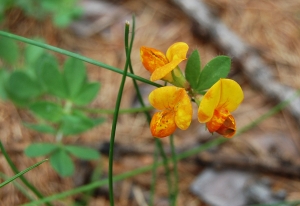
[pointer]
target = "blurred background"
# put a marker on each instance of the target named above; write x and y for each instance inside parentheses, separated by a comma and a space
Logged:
(261, 165)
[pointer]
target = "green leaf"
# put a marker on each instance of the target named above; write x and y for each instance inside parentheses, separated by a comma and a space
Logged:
(62, 19)
(62, 163)
(21, 86)
(3, 78)
(98, 121)
(75, 75)
(47, 110)
(78, 123)
(83, 152)
(43, 128)
(40, 149)
(193, 69)
(9, 50)
(217, 68)
(33, 53)
(87, 94)
(51, 77)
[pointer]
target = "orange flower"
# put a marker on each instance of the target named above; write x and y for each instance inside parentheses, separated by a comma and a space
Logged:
(161, 65)
(176, 110)
(215, 107)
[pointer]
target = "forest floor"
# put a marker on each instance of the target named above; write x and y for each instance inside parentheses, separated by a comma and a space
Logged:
(269, 27)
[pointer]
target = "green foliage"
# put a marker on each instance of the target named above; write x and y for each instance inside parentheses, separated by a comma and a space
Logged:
(60, 155)
(215, 69)
(43, 128)
(33, 53)
(201, 80)
(21, 87)
(40, 149)
(193, 69)
(62, 162)
(62, 12)
(87, 93)
(47, 110)
(53, 96)
(3, 77)
(9, 51)
(75, 76)
(83, 152)
(77, 123)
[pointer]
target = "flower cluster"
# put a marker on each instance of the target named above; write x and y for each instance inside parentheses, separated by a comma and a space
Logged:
(174, 102)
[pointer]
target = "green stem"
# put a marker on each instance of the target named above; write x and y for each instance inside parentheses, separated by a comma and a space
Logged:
(77, 56)
(154, 172)
(21, 173)
(121, 111)
(20, 187)
(157, 141)
(23, 179)
(176, 176)
(114, 124)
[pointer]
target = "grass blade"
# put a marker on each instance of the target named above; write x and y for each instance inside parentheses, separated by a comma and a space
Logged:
(22, 172)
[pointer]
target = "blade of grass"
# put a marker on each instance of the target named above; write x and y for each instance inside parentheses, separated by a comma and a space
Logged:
(22, 178)
(21, 173)
(183, 155)
(176, 179)
(115, 119)
(158, 144)
(20, 187)
(121, 111)
(77, 56)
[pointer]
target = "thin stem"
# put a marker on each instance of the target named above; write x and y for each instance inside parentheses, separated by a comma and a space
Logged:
(153, 172)
(158, 144)
(165, 162)
(23, 179)
(77, 56)
(21, 173)
(20, 187)
(114, 124)
(176, 176)
(121, 111)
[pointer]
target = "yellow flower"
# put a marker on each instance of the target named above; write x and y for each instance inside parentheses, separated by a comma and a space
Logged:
(215, 107)
(161, 65)
(176, 110)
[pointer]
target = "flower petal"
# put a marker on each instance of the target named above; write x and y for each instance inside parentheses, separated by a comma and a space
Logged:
(152, 58)
(217, 120)
(228, 128)
(165, 98)
(161, 72)
(184, 110)
(176, 51)
(163, 124)
(231, 95)
(209, 103)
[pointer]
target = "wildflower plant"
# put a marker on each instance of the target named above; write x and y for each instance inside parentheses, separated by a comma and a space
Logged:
(208, 87)
(56, 98)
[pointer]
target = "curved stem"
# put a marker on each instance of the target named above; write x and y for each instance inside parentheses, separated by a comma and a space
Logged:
(114, 124)
(77, 56)
(23, 179)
